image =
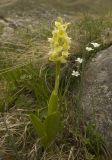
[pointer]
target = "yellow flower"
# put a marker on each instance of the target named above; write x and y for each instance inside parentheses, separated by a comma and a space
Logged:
(60, 42)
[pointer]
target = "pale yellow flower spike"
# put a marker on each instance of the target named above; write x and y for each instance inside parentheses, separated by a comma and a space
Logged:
(60, 42)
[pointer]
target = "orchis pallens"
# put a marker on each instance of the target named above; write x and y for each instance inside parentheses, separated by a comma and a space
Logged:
(60, 42)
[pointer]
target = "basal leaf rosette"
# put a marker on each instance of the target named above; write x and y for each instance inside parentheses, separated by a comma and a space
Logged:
(60, 42)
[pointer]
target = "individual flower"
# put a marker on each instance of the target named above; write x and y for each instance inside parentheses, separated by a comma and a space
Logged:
(80, 60)
(75, 73)
(60, 42)
(95, 44)
(89, 49)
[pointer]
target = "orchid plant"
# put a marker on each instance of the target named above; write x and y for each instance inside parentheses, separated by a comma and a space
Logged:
(59, 51)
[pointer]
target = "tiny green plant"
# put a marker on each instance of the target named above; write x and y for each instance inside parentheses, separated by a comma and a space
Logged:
(59, 44)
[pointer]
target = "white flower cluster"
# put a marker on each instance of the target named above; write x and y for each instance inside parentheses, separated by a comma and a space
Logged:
(76, 73)
(95, 45)
(80, 60)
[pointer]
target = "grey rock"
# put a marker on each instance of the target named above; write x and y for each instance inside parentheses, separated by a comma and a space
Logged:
(97, 94)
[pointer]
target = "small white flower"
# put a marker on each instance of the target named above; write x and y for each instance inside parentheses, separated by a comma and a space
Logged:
(80, 60)
(75, 73)
(89, 49)
(95, 44)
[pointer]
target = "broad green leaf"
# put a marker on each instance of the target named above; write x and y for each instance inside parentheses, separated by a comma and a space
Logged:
(53, 103)
(39, 127)
(52, 126)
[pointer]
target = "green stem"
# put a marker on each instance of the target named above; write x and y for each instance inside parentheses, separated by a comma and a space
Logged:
(57, 77)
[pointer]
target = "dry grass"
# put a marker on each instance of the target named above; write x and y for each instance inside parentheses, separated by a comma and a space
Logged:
(17, 139)
(13, 131)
